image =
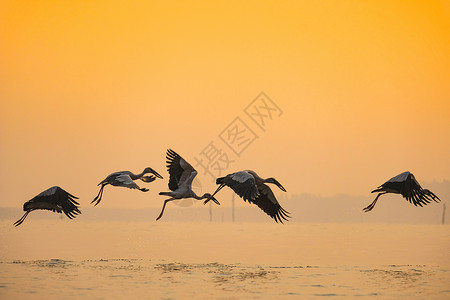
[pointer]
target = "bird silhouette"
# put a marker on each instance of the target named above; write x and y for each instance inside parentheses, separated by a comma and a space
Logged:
(125, 179)
(180, 181)
(55, 199)
(406, 185)
(252, 188)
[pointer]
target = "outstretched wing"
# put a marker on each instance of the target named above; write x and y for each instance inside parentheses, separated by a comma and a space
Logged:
(68, 203)
(413, 192)
(60, 200)
(242, 183)
(269, 204)
(55, 199)
(395, 184)
(180, 171)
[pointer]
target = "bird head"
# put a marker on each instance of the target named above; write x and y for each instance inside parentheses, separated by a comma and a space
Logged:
(150, 170)
(274, 181)
(27, 205)
(208, 197)
(148, 178)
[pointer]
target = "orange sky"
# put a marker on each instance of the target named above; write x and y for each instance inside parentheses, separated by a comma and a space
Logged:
(89, 88)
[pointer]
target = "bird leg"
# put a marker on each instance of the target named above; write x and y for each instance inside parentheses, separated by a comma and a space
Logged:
(20, 221)
(211, 197)
(372, 205)
(143, 189)
(98, 198)
(164, 206)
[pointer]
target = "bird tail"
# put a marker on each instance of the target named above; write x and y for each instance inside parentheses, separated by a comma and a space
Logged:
(164, 193)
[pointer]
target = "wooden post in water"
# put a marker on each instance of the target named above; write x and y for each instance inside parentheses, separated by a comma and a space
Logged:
(232, 207)
(443, 213)
(210, 211)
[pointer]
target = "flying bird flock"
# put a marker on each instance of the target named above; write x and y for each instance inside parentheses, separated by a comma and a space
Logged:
(246, 184)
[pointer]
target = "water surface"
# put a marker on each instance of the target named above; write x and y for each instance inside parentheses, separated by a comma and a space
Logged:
(100, 260)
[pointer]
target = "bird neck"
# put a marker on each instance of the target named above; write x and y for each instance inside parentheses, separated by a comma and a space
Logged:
(195, 196)
(270, 180)
(136, 176)
(274, 181)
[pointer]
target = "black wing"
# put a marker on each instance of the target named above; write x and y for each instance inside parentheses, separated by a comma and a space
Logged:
(67, 203)
(413, 192)
(269, 204)
(394, 185)
(55, 199)
(176, 166)
(242, 183)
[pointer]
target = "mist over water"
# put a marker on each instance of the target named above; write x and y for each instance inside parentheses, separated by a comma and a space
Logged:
(329, 248)
(223, 260)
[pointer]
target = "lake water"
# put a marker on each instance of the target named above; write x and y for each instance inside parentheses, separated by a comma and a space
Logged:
(63, 259)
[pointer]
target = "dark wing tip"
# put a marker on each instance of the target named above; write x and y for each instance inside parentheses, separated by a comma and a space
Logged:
(171, 154)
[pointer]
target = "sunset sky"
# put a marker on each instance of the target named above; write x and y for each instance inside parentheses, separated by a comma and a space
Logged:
(357, 92)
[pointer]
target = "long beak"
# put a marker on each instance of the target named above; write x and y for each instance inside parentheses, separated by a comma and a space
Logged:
(207, 200)
(274, 181)
(157, 175)
(148, 178)
(281, 187)
(212, 196)
(215, 200)
(20, 221)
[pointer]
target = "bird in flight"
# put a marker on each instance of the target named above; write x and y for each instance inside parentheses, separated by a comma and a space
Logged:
(55, 199)
(125, 179)
(180, 181)
(252, 188)
(406, 185)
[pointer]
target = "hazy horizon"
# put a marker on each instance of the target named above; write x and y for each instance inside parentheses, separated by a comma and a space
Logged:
(331, 98)
(303, 208)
